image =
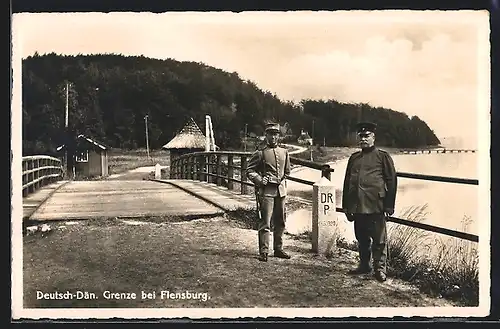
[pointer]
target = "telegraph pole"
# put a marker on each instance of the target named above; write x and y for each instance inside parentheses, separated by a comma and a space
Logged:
(147, 136)
(67, 105)
(312, 131)
(66, 132)
(312, 137)
(245, 144)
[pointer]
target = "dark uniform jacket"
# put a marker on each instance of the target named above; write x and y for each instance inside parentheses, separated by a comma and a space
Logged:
(370, 182)
(273, 162)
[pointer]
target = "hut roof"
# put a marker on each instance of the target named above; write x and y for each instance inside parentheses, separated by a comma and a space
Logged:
(92, 141)
(190, 137)
(86, 139)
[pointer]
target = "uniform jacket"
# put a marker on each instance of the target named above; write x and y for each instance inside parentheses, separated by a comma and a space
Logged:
(271, 161)
(370, 182)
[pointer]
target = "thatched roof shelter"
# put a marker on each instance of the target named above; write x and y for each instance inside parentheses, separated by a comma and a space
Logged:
(190, 137)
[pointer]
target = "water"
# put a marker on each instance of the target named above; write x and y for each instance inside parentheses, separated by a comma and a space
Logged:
(448, 204)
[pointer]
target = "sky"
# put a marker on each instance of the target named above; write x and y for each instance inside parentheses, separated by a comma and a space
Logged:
(431, 64)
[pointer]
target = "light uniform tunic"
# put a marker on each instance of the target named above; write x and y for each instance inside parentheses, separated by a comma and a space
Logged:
(273, 162)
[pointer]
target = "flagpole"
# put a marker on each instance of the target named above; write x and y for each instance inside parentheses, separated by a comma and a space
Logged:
(207, 134)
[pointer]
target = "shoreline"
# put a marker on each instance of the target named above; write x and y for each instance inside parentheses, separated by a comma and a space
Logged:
(333, 154)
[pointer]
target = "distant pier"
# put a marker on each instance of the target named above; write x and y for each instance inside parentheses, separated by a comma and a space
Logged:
(443, 150)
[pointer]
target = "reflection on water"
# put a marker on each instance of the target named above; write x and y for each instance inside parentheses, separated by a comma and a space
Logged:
(298, 221)
(448, 204)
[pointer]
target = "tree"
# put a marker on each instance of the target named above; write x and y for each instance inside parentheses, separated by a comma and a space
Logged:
(110, 95)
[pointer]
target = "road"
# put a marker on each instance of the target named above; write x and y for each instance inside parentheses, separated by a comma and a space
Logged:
(298, 149)
(137, 172)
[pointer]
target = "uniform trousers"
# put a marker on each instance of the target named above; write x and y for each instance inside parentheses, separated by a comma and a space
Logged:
(272, 216)
(371, 233)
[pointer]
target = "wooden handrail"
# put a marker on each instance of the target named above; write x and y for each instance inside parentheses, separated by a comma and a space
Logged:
(38, 157)
(39, 179)
(38, 171)
(40, 168)
(209, 174)
(442, 179)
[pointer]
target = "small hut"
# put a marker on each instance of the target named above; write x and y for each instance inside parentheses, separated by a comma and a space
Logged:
(189, 139)
(90, 157)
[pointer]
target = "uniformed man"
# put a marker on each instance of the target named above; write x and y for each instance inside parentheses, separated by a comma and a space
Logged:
(268, 169)
(369, 196)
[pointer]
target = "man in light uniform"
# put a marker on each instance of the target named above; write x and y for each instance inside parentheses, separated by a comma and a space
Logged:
(268, 169)
(369, 196)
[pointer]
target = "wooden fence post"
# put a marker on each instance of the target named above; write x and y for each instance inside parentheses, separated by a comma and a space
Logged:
(230, 172)
(219, 170)
(203, 171)
(185, 169)
(326, 172)
(191, 164)
(30, 176)
(243, 174)
(199, 167)
(25, 177)
(209, 168)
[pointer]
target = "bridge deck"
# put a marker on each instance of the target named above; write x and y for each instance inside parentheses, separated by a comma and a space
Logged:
(108, 199)
(216, 195)
(34, 200)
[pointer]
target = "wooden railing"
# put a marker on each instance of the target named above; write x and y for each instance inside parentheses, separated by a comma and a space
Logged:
(38, 171)
(221, 168)
(225, 168)
(440, 150)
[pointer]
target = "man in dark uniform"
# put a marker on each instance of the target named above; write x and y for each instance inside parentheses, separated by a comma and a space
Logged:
(268, 169)
(368, 197)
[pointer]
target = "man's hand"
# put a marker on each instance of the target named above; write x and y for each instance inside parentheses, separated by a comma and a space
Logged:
(265, 180)
(388, 212)
(350, 217)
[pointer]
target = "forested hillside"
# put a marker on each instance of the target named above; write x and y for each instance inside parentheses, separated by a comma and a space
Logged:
(109, 96)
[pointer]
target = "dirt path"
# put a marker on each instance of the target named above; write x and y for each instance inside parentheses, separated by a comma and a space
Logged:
(298, 149)
(135, 174)
(215, 257)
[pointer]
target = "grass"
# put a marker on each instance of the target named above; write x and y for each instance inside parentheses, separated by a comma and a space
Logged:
(215, 258)
(439, 267)
(122, 160)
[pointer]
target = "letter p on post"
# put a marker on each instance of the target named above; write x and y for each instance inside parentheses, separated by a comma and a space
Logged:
(324, 217)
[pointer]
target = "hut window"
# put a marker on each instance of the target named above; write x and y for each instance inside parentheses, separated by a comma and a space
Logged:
(82, 156)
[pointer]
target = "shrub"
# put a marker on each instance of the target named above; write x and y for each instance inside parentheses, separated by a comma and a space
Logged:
(440, 267)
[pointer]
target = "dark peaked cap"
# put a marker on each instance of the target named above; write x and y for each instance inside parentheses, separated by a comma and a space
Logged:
(271, 126)
(366, 127)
